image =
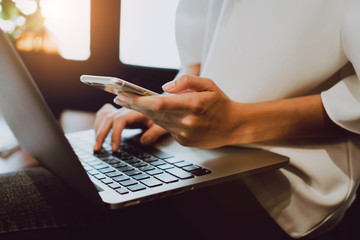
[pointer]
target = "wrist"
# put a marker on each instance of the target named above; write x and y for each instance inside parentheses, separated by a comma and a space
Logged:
(302, 117)
(240, 126)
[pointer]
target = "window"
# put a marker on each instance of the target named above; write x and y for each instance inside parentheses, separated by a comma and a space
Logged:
(69, 22)
(52, 26)
(147, 33)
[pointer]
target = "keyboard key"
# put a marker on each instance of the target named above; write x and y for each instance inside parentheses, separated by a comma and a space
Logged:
(177, 172)
(122, 190)
(165, 166)
(114, 174)
(100, 176)
(173, 160)
(158, 163)
(112, 161)
(128, 182)
(147, 168)
(139, 164)
(87, 168)
(101, 153)
(154, 172)
(93, 172)
(200, 171)
(182, 164)
(106, 158)
(166, 178)
(136, 187)
(191, 167)
(132, 161)
(100, 166)
(120, 178)
(151, 182)
(132, 172)
(119, 165)
(107, 180)
(150, 159)
(88, 158)
(122, 155)
(144, 155)
(140, 176)
(94, 162)
(107, 170)
(127, 168)
(114, 185)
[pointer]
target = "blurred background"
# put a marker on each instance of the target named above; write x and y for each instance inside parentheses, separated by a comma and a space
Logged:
(59, 40)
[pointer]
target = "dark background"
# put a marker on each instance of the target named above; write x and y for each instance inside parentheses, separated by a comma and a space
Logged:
(59, 79)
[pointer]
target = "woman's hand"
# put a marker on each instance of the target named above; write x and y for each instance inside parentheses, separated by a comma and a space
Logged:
(109, 117)
(199, 115)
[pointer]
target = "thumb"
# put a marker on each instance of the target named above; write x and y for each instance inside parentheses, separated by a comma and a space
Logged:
(152, 134)
(189, 82)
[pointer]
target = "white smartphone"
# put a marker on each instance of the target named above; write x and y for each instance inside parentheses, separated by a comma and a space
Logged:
(115, 85)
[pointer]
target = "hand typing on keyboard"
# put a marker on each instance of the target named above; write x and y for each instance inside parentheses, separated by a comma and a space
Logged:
(110, 118)
(133, 168)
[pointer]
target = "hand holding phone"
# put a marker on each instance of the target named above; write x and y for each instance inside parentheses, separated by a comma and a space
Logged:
(115, 85)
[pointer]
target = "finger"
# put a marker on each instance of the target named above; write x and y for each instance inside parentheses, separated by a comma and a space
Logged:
(190, 102)
(189, 82)
(126, 119)
(104, 110)
(103, 130)
(151, 135)
(121, 121)
(118, 127)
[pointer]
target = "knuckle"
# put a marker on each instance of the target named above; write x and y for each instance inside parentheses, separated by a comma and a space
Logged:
(108, 119)
(211, 82)
(150, 114)
(186, 78)
(106, 109)
(118, 117)
(159, 104)
(188, 122)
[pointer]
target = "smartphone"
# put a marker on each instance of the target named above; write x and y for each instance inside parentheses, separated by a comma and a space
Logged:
(115, 85)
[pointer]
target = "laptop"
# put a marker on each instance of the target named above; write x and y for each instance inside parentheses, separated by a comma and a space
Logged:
(133, 174)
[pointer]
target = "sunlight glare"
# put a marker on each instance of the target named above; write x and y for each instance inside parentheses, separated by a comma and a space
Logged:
(147, 33)
(69, 23)
(27, 7)
(7, 25)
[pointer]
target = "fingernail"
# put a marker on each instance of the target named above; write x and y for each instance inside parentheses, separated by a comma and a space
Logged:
(113, 147)
(96, 147)
(122, 98)
(117, 101)
(168, 86)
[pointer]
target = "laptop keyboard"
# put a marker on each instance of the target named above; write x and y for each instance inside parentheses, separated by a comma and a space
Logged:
(133, 168)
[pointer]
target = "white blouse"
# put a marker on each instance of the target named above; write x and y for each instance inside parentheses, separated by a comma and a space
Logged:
(264, 50)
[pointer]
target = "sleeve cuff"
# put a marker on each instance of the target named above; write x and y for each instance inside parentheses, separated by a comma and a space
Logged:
(342, 103)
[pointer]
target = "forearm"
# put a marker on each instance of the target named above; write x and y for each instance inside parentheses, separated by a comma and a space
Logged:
(301, 117)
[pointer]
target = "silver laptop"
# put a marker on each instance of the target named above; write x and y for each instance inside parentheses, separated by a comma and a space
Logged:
(129, 176)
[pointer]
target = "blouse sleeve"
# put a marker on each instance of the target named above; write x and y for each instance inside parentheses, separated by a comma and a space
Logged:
(190, 30)
(342, 101)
